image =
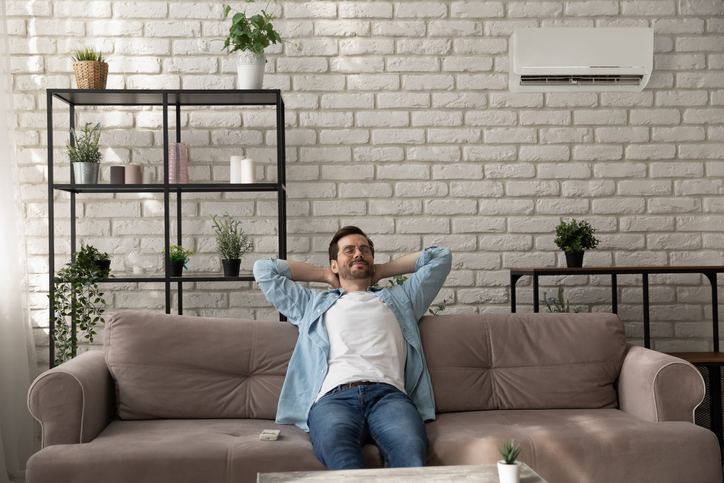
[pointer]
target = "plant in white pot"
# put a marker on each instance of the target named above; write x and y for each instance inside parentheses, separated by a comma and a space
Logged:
(85, 155)
(248, 37)
(508, 468)
(231, 242)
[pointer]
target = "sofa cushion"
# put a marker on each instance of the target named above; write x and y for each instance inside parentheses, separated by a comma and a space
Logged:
(172, 366)
(523, 361)
(573, 445)
(180, 451)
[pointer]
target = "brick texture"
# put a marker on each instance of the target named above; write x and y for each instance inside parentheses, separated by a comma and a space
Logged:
(398, 120)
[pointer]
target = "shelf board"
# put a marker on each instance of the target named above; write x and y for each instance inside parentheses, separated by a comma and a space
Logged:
(176, 97)
(244, 276)
(159, 188)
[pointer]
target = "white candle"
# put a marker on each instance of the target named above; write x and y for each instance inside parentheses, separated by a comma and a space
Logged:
(147, 177)
(139, 270)
(235, 169)
(248, 170)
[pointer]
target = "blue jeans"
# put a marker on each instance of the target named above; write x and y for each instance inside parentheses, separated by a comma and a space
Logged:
(342, 421)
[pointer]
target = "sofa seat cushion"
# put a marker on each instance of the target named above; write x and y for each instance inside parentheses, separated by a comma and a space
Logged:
(571, 445)
(180, 451)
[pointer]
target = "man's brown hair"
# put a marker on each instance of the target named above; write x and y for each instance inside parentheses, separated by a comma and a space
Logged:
(343, 232)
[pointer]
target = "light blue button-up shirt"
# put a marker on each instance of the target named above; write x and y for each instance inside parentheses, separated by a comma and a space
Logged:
(305, 308)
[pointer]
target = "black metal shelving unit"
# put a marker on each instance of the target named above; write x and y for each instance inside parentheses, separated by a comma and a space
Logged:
(166, 99)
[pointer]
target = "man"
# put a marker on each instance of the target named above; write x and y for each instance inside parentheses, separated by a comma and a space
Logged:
(358, 373)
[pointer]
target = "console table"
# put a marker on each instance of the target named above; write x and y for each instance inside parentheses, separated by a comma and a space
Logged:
(713, 361)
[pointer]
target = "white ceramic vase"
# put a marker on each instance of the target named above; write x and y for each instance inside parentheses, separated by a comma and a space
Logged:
(509, 473)
(250, 67)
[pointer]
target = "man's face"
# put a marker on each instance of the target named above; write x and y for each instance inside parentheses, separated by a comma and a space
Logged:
(354, 258)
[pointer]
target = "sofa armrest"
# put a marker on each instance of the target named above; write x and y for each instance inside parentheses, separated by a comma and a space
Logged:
(75, 401)
(658, 387)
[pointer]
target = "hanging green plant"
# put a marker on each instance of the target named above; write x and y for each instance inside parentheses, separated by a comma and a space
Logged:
(77, 295)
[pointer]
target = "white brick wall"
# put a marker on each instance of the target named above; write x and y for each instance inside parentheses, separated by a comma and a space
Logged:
(399, 120)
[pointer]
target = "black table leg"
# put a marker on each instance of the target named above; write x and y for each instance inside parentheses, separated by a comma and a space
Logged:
(536, 300)
(614, 294)
(715, 402)
(513, 282)
(647, 333)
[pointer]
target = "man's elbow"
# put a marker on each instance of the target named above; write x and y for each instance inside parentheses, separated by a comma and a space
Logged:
(263, 269)
(445, 256)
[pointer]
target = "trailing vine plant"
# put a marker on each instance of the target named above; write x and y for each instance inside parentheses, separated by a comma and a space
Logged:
(77, 295)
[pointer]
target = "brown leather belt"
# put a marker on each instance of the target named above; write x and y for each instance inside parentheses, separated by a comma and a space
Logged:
(355, 384)
(342, 387)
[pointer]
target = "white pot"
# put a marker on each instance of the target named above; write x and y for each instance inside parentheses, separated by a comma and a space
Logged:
(509, 473)
(250, 67)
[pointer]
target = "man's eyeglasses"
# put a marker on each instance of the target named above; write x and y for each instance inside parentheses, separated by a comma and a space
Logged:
(350, 250)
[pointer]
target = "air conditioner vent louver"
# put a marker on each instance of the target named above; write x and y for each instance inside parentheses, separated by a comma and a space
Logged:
(593, 80)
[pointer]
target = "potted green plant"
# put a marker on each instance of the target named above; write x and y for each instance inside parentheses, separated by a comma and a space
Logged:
(76, 295)
(90, 68)
(508, 467)
(178, 258)
(573, 237)
(559, 304)
(231, 242)
(84, 154)
(249, 36)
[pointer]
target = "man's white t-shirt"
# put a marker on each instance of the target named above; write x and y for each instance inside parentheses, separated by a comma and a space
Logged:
(365, 342)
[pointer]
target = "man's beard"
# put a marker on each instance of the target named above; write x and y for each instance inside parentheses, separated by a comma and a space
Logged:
(345, 271)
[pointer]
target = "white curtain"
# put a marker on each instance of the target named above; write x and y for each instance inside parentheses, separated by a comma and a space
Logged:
(17, 351)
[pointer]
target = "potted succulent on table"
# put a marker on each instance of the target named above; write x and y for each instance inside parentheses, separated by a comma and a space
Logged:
(573, 237)
(249, 36)
(508, 468)
(76, 294)
(90, 68)
(84, 154)
(231, 242)
(178, 257)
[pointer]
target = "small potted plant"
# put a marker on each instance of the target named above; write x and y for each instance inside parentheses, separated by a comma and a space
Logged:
(573, 237)
(85, 155)
(76, 295)
(231, 242)
(90, 68)
(178, 257)
(508, 468)
(249, 36)
(558, 305)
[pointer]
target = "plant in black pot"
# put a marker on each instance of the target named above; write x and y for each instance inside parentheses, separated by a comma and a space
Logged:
(231, 242)
(178, 257)
(573, 238)
(77, 295)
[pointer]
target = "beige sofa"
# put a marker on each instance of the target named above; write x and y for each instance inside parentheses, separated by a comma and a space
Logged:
(184, 399)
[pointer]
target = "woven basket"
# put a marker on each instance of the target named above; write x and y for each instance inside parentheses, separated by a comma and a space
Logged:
(90, 74)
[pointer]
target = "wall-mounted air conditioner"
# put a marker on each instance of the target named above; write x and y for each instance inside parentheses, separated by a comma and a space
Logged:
(580, 59)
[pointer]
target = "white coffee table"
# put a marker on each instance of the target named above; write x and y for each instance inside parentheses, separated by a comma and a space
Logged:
(428, 474)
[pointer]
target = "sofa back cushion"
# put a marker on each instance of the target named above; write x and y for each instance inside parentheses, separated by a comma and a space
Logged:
(523, 361)
(172, 366)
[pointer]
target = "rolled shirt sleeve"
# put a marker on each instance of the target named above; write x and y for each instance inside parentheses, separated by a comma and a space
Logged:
(431, 269)
(275, 280)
